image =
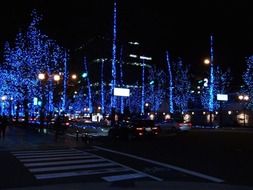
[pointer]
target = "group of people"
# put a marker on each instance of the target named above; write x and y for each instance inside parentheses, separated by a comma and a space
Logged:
(3, 125)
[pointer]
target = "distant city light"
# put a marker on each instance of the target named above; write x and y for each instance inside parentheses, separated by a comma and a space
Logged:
(145, 58)
(84, 75)
(134, 43)
(132, 55)
(4, 98)
(152, 116)
(167, 116)
(187, 117)
(35, 101)
(243, 97)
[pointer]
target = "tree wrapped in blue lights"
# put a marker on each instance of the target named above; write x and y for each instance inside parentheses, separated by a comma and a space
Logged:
(155, 88)
(79, 102)
(114, 50)
(182, 87)
(88, 85)
(248, 81)
(33, 53)
(135, 99)
(143, 88)
(170, 82)
(221, 83)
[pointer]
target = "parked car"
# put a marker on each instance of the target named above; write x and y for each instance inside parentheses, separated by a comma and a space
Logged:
(172, 125)
(134, 129)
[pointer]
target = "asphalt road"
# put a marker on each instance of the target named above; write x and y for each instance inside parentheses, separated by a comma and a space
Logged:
(225, 154)
(218, 156)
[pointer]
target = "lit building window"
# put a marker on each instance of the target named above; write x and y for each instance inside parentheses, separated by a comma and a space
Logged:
(132, 55)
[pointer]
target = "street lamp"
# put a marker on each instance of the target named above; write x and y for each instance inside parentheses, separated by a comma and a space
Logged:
(206, 61)
(57, 77)
(244, 98)
(42, 76)
(74, 76)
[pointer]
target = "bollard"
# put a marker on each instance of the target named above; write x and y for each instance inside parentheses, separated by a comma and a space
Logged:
(77, 132)
(85, 138)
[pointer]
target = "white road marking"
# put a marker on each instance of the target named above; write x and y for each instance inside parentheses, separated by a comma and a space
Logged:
(56, 164)
(80, 173)
(137, 171)
(193, 173)
(40, 151)
(70, 167)
(50, 155)
(64, 162)
(56, 158)
(123, 177)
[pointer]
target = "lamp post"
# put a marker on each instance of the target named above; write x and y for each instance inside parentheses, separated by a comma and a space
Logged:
(244, 98)
(44, 78)
(3, 98)
(209, 83)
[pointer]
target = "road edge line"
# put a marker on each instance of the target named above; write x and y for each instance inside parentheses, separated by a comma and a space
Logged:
(190, 172)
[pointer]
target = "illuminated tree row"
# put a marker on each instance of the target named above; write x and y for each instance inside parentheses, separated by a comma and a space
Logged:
(32, 53)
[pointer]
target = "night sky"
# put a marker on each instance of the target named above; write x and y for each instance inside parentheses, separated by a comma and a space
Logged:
(182, 27)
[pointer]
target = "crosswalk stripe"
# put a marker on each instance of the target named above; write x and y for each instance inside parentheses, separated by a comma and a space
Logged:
(80, 173)
(56, 158)
(70, 167)
(51, 155)
(41, 151)
(50, 164)
(64, 162)
(123, 177)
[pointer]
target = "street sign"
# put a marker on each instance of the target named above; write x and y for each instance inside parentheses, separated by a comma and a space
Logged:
(121, 92)
(222, 97)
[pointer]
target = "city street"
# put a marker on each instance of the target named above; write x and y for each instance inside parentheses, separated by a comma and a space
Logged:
(29, 158)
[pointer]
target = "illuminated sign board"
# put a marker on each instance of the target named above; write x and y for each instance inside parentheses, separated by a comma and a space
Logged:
(222, 97)
(121, 92)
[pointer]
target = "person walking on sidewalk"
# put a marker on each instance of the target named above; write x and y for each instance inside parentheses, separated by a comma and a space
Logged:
(3, 126)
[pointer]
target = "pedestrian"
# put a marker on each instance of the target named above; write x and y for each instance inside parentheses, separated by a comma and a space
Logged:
(57, 127)
(4, 124)
(1, 118)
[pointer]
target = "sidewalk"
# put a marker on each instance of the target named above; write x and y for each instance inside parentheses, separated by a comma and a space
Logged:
(27, 138)
(139, 185)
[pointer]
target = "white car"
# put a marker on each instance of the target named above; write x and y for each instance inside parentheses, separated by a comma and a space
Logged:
(171, 125)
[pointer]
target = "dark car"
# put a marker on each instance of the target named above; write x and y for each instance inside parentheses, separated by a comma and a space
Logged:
(134, 129)
(61, 124)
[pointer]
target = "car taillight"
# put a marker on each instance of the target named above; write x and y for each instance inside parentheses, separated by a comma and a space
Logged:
(155, 128)
(67, 124)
